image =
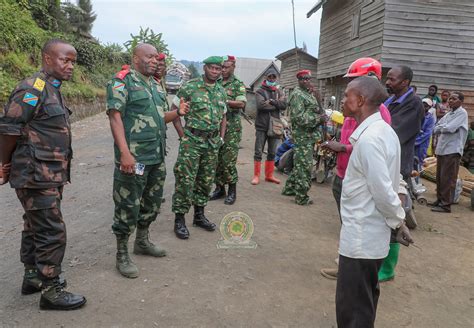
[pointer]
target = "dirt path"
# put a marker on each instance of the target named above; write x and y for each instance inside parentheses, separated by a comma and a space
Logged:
(197, 285)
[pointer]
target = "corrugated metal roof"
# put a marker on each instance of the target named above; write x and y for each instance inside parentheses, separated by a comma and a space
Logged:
(249, 69)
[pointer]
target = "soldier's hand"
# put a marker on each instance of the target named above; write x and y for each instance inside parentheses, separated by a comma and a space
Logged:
(183, 107)
(5, 173)
(403, 235)
(127, 163)
(334, 146)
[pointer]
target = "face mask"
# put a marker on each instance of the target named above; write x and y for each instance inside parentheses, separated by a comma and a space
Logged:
(271, 84)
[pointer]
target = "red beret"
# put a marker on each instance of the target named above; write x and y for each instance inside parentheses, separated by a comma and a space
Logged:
(303, 73)
(161, 56)
(230, 58)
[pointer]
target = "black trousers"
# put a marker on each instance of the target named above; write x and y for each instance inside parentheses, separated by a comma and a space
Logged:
(447, 169)
(260, 139)
(357, 292)
(337, 192)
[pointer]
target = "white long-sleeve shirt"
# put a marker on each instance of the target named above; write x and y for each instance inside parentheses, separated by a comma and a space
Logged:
(370, 206)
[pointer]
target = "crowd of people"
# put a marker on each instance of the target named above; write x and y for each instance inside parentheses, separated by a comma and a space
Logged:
(381, 136)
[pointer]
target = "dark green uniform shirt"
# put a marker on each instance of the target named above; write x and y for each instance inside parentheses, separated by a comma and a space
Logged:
(207, 104)
(304, 111)
(235, 90)
(142, 107)
(36, 113)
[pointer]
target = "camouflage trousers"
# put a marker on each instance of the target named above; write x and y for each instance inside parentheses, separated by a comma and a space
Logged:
(137, 198)
(226, 171)
(43, 239)
(194, 173)
(299, 181)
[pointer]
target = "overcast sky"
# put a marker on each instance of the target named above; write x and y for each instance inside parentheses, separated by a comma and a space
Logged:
(196, 29)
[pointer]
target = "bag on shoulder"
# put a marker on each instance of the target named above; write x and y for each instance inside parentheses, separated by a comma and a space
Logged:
(275, 128)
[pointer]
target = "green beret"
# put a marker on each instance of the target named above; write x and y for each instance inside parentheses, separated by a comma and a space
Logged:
(218, 60)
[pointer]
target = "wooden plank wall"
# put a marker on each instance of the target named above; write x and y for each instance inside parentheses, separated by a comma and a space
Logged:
(337, 51)
(436, 39)
(291, 65)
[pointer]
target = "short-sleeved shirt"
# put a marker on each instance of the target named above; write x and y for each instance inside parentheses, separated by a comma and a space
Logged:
(142, 107)
(35, 112)
(235, 90)
(207, 104)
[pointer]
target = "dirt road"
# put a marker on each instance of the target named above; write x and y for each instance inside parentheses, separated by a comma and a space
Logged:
(197, 285)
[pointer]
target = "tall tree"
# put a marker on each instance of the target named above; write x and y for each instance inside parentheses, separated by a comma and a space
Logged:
(88, 16)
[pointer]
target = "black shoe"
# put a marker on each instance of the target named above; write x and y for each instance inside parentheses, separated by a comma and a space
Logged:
(180, 228)
(231, 194)
(218, 193)
(441, 209)
(433, 204)
(32, 283)
(201, 221)
(54, 297)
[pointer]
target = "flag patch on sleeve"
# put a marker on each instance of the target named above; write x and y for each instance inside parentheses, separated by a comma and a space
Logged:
(30, 99)
(118, 86)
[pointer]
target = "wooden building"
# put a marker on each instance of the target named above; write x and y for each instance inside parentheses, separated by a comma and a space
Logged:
(433, 37)
(293, 61)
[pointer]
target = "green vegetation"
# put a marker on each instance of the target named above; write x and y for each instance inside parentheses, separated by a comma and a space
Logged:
(26, 24)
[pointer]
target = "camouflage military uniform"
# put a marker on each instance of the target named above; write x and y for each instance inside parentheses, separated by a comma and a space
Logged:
(137, 198)
(40, 168)
(198, 151)
(226, 172)
(304, 122)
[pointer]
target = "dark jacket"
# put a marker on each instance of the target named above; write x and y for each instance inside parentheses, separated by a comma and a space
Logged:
(407, 119)
(265, 111)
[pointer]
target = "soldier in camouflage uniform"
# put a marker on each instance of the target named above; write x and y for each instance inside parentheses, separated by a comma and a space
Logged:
(199, 147)
(35, 147)
(226, 172)
(137, 113)
(305, 119)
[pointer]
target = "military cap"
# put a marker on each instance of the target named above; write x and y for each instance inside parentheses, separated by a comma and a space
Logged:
(218, 60)
(161, 56)
(305, 73)
(230, 58)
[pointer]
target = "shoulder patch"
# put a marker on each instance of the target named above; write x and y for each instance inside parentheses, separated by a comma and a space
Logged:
(119, 86)
(56, 83)
(30, 99)
(39, 84)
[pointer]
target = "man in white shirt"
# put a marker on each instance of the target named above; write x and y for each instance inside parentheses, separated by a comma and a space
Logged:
(370, 205)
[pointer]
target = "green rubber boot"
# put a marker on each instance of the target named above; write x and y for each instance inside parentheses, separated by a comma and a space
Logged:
(143, 245)
(387, 270)
(124, 264)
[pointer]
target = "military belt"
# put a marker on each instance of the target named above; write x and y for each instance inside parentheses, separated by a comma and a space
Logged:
(202, 133)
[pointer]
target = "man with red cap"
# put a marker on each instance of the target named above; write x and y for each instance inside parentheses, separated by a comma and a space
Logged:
(361, 67)
(305, 117)
(226, 172)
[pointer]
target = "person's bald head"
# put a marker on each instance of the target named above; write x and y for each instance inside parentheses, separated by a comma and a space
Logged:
(144, 58)
(363, 96)
(58, 59)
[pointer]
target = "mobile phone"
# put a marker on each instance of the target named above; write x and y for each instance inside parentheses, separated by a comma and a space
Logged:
(139, 168)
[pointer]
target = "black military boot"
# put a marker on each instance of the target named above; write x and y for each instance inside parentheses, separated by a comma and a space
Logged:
(180, 228)
(231, 194)
(32, 283)
(200, 219)
(54, 297)
(218, 193)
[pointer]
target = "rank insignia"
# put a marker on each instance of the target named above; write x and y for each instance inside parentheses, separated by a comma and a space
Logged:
(39, 84)
(118, 86)
(56, 83)
(30, 99)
